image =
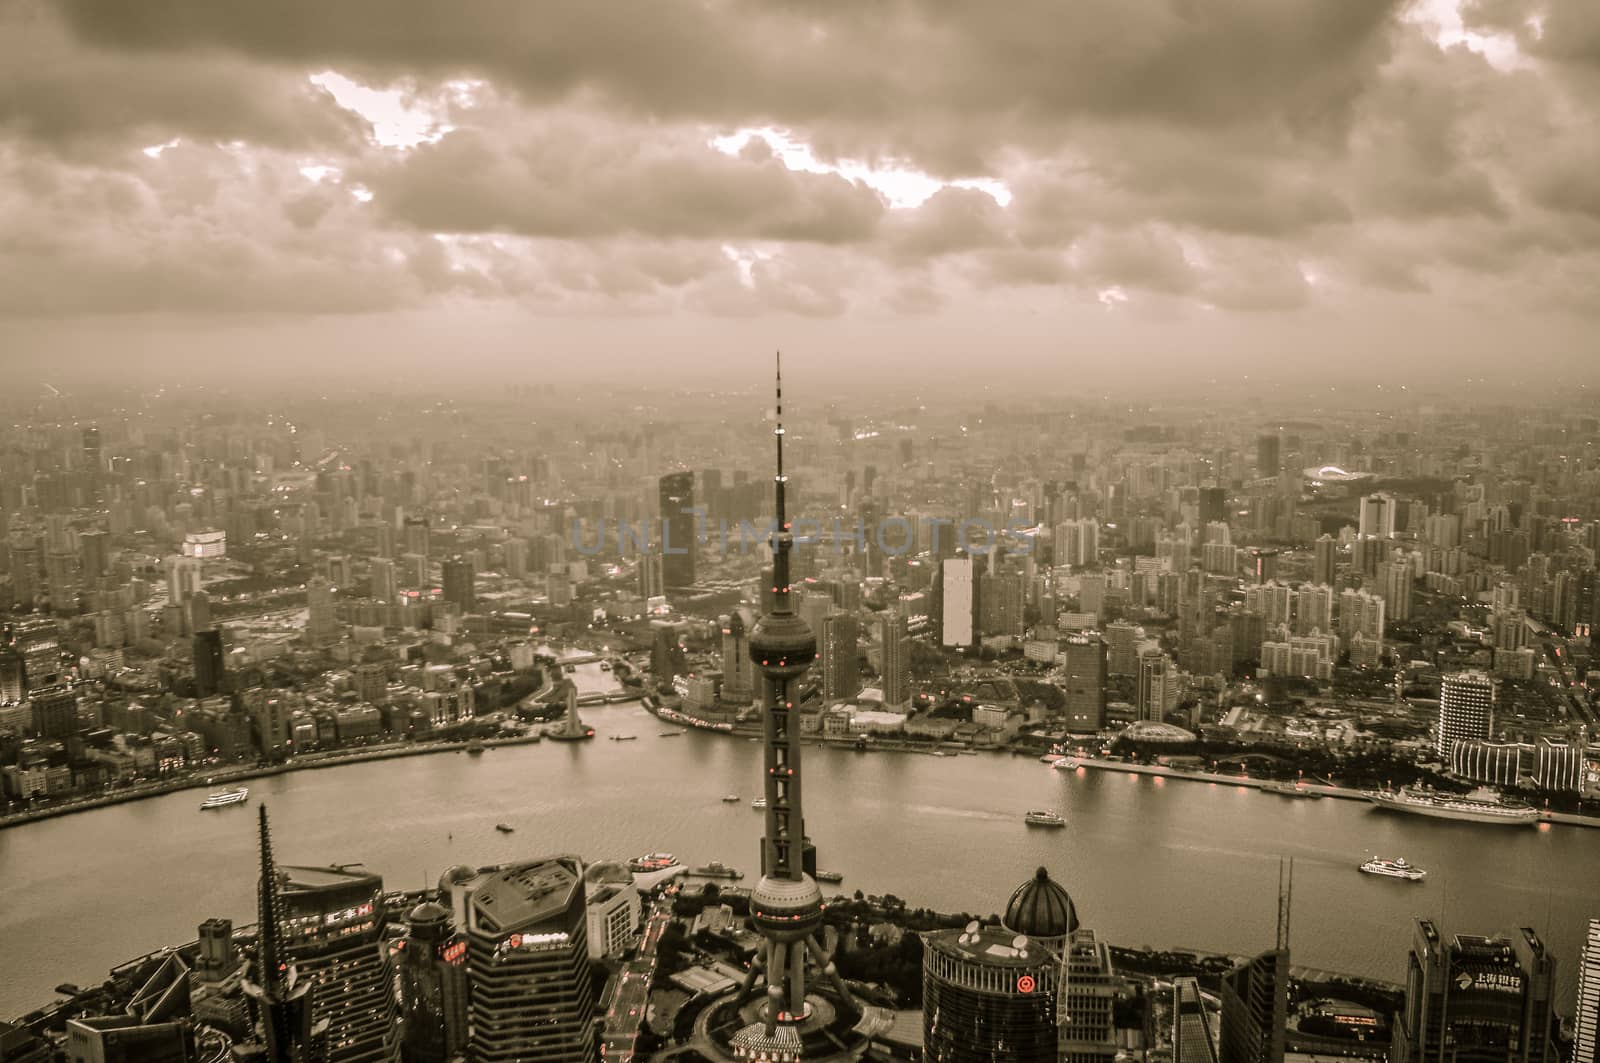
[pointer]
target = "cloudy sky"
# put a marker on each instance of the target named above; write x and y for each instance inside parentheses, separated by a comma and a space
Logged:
(1328, 185)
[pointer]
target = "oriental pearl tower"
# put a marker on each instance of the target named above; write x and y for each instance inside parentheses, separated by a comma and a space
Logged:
(786, 905)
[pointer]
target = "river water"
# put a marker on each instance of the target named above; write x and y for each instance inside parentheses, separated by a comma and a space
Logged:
(1147, 860)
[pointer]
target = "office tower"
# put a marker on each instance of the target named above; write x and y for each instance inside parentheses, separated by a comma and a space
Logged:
(54, 711)
(1122, 644)
(651, 576)
(198, 610)
(1086, 1002)
(527, 961)
(209, 671)
(431, 968)
(1213, 508)
(896, 667)
(1268, 462)
(1376, 516)
(1192, 1039)
(1002, 596)
(1324, 559)
(322, 626)
(332, 931)
(841, 674)
(282, 1000)
(612, 909)
(460, 583)
(183, 578)
(1255, 1009)
(1586, 1023)
(988, 996)
(1084, 663)
(418, 538)
(958, 600)
(1157, 689)
(515, 552)
(1263, 565)
(678, 528)
(61, 580)
(1396, 581)
(95, 552)
(785, 905)
(217, 956)
(381, 580)
(738, 670)
(1466, 710)
(1475, 1000)
(13, 674)
(667, 659)
(25, 573)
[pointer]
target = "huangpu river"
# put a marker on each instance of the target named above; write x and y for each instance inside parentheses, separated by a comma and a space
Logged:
(1148, 861)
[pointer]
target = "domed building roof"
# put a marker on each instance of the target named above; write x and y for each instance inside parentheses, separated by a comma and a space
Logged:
(1040, 908)
(457, 874)
(607, 871)
(429, 912)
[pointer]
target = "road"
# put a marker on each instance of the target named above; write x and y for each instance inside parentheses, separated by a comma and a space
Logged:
(632, 988)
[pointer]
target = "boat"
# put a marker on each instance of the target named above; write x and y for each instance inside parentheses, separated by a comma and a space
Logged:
(1044, 817)
(1289, 789)
(717, 869)
(226, 798)
(504, 828)
(1051, 758)
(623, 738)
(1483, 805)
(670, 734)
(1068, 764)
(829, 876)
(651, 862)
(475, 747)
(760, 802)
(730, 799)
(1396, 868)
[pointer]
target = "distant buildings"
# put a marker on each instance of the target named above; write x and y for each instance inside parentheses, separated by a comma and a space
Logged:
(676, 493)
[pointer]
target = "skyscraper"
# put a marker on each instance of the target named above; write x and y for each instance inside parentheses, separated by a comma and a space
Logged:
(1192, 1038)
(322, 626)
(676, 490)
(332, 931)
(958, 602)
(209, 671)
(1084, 663)
(527, 961)
(738, 671)
(1324, 559)
(1586, 1023)
(1466, 710)
(1376, 516)
(1255, 1009)
(988, 996)
(1267, 455)
(1086, 1002)
(382, 584)
(1156, 692)
(54, 711)
(1477, 999)
(460, 583)
(841, 675)
(896, 659)
(431, 964)
(1396, 580)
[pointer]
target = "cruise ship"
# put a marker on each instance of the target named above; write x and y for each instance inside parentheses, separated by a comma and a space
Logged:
(1483, 805)
(1044, 817)
(226, 798)
(1397, 868)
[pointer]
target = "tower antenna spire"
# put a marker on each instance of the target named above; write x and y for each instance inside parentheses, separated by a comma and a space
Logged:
(783, 541)
(270, 917)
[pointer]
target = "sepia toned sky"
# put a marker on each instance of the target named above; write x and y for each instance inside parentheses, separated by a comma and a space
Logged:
(1103, 186)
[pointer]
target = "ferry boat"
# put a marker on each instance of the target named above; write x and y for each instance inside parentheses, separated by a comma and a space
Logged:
(1068, 764)
(1396, 868)
(1044, 817)
(623, 738)
(504, 828)
(652, 862)
(226, 798)
(717, 869)
(1483, 805)
(760, 802)
(829, 876)
(730, 799)
(1289, 789)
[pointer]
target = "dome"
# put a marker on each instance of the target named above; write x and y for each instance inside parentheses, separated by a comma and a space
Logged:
(1040, 908)
(429, 912)
(607, 871)
(782, 646)
(455, 875)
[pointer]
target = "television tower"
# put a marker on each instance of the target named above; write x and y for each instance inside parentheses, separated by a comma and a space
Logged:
(786, 905)
(281, 998)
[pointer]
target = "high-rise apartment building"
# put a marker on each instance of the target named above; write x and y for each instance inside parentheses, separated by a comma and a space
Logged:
(1157, 686)
(841, 674)
(1324, 559)
(1376, 516)
(1396, 582)
(958, 602)
(896, 663)
(1466, 710)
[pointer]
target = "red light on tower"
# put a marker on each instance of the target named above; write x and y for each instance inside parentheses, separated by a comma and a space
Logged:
(1025, 984)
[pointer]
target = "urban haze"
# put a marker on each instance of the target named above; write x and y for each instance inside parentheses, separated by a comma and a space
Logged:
(1143, 615)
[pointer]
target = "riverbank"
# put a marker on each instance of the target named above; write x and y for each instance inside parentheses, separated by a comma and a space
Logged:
(227, 776)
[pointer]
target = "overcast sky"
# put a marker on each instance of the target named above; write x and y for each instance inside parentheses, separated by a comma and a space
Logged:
(1107, 186)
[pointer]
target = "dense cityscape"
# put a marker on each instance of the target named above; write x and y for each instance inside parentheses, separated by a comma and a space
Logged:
(1389, 608)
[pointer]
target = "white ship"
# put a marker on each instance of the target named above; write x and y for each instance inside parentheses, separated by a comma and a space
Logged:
(226, 798)
(1068, 764)
(1397, 868)
(1044, 817)
(1483, 805)
(760, 802)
